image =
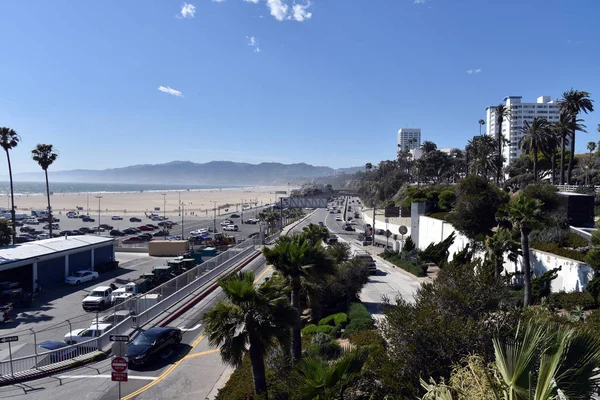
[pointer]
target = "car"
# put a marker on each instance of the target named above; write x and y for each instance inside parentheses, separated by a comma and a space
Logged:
(106, 227)
(152, 226)
(82, 335)
(26, 229)
(145, 228)
(134, 219)
(234, 216)
(227, 222)
(339, 211)
(116, 218)
(129, 231)
(116, 232)
(231, 227)
(379, 232)
(71, 214)
(64, 233)
(98, 299)
(145, 236)
(96, 229)
(25, 239)
(161, 233)
(150, 344)
(84, 230)
(81, 276)
(331, 239)
(87, 218)
(54, 226)
(31, 221)
(82, 215)
(42, 236)
(168, 224)
(338, 218)
(331, 211)
(75, 233)
(321, 223)
(349, 228)
(55, 356)
(133, 239)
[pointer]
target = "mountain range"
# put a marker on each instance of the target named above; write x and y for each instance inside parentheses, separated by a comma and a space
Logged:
(187, 172)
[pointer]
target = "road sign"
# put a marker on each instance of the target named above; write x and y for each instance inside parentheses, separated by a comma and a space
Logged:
(403, 230)
(392, 211)
(387, 220)
(119, 369)
(8, 339)
(119, 338)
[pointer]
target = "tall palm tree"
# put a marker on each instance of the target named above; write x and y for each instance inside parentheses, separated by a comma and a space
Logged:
(502, 112)
(549, 147)
(497, 245)
(534, 136)
(591, 146)
(572, 103)
(525, 214)
(6, 232)
(428, 146)
(297, 258)
(44, 155)
(562, 129)
(9, 139)
(481, 124)
(251, 320)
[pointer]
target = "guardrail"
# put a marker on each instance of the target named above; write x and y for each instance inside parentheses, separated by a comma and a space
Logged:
(573, 188)
(169, 294)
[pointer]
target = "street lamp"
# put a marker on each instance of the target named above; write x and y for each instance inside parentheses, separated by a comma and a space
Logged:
(164, 195)
(215, 217)
(98, 197)
(181, 205)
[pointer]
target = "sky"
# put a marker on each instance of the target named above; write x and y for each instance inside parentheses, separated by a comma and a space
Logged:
(328, 82)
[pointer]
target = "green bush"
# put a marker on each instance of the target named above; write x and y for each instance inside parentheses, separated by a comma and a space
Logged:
(335, 319)
(366, 337)
(409, 245)
(574, 240)
(592, 321)
(312, 329)
(446, 200)
(439, 215)
(554, 248)
(359, 324)
(396, 259)
(358, 310)
(240, 384)
(568, 301)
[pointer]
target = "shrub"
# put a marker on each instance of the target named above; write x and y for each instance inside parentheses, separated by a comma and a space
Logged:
(574, 240)
(437, 253)
(323, 345)
(568, 301)
(446, 200)
(366, 337)
(358, 310)
(541, 285)
(399, 261)
(240, 384)
(439, 215)
(554, 248)
(545, 192)
(409, 245)
(312, 329)
(359, 324)
(335, 319)
(551, 234)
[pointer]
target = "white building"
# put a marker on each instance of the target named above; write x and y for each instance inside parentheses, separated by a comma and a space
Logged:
(409, 138)
(511, 126)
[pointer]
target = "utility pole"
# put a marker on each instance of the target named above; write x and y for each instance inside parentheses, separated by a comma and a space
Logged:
(98, 197)
(164, 195)
(182, 211)
(88, 204)
(242, 211)
(215, 217)
(179, 201)
(281, 212)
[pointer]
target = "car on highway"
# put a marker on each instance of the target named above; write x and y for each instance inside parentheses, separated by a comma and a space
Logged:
(116, 218)
(321, 223)
(349, 228)
(55, 356)
(133, 239)
(339, 211)
(81, 276)
(145, 228)
(338, 218)
(134, 219)
(87, 218)
(116, 232)
(150, 344)
(161, 233)
(82, 335)
(106, 227)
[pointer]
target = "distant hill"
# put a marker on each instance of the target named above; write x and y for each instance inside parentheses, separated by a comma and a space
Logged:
(187, 172)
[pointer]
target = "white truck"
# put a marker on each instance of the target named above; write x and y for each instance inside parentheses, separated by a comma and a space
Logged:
(98, 299)
(82, 335)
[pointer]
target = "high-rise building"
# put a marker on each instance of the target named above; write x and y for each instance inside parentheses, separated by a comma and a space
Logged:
(409, 138)
(518, 112)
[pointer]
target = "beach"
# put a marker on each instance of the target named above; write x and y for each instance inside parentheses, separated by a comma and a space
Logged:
(195, 202)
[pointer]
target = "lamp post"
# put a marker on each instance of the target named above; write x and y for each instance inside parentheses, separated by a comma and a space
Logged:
(215, 217)
(88, 204)
(181, 205)
(164, 195)
(98, 197)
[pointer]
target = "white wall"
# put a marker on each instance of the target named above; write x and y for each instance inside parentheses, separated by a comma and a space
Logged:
(393, 225)
(574, 275)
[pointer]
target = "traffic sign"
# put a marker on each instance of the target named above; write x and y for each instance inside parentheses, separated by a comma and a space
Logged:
(8, 339)
(119, 338)
(387, 220)
(119, 369)
(403, 230)
(119, 377)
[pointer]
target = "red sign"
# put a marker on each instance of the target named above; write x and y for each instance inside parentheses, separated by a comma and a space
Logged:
(119, 369)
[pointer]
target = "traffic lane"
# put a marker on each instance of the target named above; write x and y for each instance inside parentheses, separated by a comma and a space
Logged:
(314, 219)
(93, 381)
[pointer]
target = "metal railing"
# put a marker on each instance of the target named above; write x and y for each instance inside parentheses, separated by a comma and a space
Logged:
(573, 188)
(135, 312)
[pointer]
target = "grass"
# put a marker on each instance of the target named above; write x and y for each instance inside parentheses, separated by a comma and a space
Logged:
(559, 251)
(405, 265)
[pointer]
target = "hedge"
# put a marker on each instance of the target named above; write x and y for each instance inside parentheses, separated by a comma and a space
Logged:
(559, 251)
(395, 259)
(358, 310)
(334, 319)
(366, 337)
(312, 329)
(360, 319)
(568, 301)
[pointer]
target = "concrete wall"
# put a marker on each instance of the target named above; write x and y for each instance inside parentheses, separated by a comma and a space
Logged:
(393, 225)
(574, 275)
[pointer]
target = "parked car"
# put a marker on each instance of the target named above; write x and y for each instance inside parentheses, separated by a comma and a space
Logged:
(116, 218)
(234, 216)
(72, 214)
(129, 231)
(231, 227)
(152, 226)
(80, 277)
(81, 335)
(87, 218)
(26, 229)
(55, 356)
(161, 233)
(134, 219)
(145, 236)
(226, 222)
(106, 227)
(84, 229)
(54, 226)
(133, 239)
(168, 224)
(145, 228)
(379, 232)
(98, 299)
(31, 221)
(75, 233)
(25, 239)
(152, 343)
(116, 232)
(42, 236)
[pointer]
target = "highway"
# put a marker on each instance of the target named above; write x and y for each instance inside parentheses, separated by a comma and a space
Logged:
(195, 369)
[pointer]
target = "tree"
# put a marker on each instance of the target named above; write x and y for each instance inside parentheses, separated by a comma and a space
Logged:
(368, 166)
(339, 252)
(428, 146)
(502, 112)
(562, 129)
(251, 320)
(534, 136)
(481, 151)
(297, 258)
(6, 233)
(435, 166)
(591, 146)
(525, 214)
(481, 124)
(9, 139)
(44, 155)
(315, 233)
(572, 103)
(549, 148)
(497, 245)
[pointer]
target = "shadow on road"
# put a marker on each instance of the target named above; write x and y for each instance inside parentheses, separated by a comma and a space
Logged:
(167, 358)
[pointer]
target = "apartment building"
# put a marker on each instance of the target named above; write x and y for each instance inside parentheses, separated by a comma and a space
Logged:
(409, 138)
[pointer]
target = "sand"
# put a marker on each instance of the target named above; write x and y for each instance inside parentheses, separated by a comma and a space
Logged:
(195, 202)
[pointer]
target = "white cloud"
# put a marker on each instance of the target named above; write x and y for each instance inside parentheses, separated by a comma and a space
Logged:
(478, 70)
(299, 12)
(170, 91)
(419, 2)
(218, 1)
(253, 43)
(252, 1)
(278, 9)
(473, 71)
(257, 49)
(470, 72)
(188, 10)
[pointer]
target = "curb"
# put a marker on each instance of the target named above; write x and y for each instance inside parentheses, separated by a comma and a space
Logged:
(292, 226)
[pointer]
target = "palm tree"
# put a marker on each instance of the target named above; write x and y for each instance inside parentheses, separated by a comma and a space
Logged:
(572, 103)
(297, 258)
(481, 151)
(481, 124)
(323, 381)
(251, 320)
(428, 146)
(6, 232)
(9, 139)
(591, 146)
(525, 214)
(534, 135)
(561, 128)
(44, 155)
(501, 112)
(315, 233)
(549, 147)
(497, 245)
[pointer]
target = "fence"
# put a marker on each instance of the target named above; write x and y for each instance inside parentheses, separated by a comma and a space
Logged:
(573, 188)
(25, 354)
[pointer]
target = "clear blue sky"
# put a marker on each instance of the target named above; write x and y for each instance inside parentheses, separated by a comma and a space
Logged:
(331, 85)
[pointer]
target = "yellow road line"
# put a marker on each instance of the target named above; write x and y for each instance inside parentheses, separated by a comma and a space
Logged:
(259, 277)
(202, 353)
(197, 341)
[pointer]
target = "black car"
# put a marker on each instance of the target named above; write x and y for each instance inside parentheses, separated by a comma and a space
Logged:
(134, 219)
(84, 230)
(75, 233)
(152, 226)
(234, 216)
(145, 236)
(129, 231)
(106, 227)
(151, 344)
(116, 232)
(168, 224)
(349, 228)
(87, 218)
(161, 233)
(27, 229)
(24, 239)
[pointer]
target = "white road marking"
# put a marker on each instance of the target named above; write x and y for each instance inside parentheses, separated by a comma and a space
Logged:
(190, 329)
(138, 377)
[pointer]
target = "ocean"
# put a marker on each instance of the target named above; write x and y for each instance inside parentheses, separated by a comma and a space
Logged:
(30, 188)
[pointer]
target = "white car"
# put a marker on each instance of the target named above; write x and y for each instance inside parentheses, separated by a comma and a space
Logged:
(227, 222)
(116, 218)
(31, 221)
(80, 277)
(338, 218)
(232, 227)
(42, 236)
(71, 214)
(82, 335)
